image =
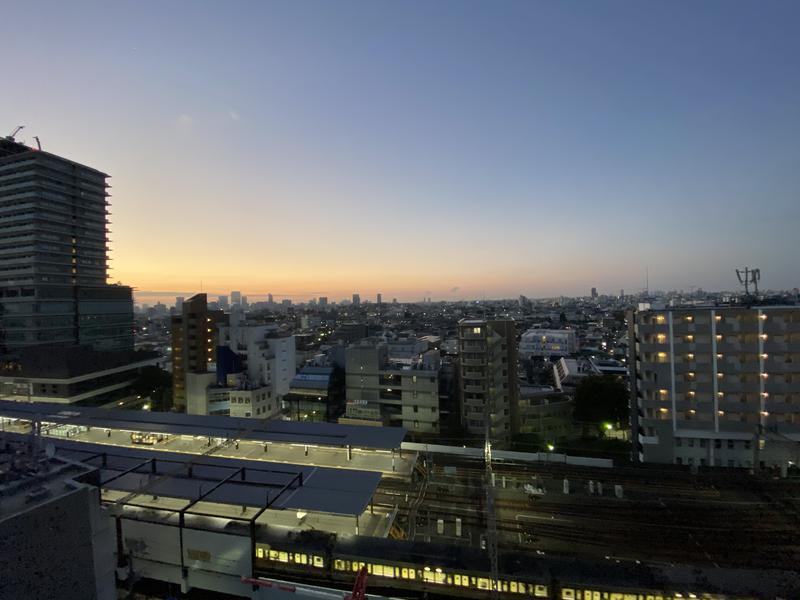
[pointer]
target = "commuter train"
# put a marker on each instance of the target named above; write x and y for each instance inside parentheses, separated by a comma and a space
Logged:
(396, 566)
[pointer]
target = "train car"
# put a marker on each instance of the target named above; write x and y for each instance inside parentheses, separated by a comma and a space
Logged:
(438, 570)
(395, 565)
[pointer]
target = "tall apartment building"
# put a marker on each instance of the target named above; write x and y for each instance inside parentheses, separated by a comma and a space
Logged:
(194, 343)
(547, 343)
(381, 391)
(716, 386)
(488, 350)
(54, 255)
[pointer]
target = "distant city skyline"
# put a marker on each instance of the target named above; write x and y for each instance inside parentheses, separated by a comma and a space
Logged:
(523, 147)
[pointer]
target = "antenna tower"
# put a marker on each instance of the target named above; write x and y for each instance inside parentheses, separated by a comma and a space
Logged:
(748, 276)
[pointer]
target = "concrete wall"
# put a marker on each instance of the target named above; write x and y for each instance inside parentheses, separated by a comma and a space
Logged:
(47, 552)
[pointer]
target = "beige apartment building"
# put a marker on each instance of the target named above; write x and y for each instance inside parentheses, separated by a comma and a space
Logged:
(716, 385)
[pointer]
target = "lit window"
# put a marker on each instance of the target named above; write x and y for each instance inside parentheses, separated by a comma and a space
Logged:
(476, 330)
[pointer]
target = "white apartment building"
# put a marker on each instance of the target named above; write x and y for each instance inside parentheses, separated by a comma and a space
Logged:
(547, 342)
(255, 366)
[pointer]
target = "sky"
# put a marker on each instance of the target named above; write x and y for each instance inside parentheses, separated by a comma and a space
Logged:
(448, 149)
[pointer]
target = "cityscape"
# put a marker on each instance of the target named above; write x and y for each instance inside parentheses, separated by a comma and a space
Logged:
(299, 374)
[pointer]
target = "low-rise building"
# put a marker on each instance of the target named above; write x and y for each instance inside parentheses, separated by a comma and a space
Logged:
(72, 375)
(545, 412)
(544, 343)
(404, 395)
(315, 394)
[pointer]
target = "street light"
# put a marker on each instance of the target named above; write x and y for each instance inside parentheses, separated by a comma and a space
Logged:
(550, 447)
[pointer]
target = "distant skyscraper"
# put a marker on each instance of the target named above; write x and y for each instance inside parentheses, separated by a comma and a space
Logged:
(379, 299)
(594, 292)
(323, 301)
(236, 297)
(244, 302)
(179, 302)
(54, 255)
(621, 293)
(356, 299)
(222, 301)
(270, 299)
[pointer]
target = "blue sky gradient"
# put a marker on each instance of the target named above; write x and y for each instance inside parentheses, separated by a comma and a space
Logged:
(498, 147)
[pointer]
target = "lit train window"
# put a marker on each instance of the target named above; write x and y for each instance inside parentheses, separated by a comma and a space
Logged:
(259, 552)
(388, 571)
(540, 591)
(404, 573)
(567, 594)
(483, 583)
(513, 586)
(319, 561)
(439, 577)
(273, 554)
(503, 586)
(283, 557)
(339, 565)
(590, 595)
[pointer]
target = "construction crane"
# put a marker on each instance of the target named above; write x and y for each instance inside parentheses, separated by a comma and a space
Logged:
(359, 587)
(15, 132)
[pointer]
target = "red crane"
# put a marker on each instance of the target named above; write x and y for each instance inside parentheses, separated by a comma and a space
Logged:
(359, 587)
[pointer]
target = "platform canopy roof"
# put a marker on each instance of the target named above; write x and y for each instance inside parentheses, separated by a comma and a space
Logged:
(289, 432)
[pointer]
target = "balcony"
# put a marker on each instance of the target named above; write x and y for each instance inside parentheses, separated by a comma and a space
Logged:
(474, 389)
(473, 362)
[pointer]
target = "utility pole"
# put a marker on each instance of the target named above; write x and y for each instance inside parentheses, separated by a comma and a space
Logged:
(491, 523)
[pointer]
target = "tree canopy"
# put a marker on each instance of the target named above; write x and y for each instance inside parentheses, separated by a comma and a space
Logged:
(602, 399)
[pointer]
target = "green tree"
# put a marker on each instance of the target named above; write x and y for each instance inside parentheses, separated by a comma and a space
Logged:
(601, 399)
(155, 383)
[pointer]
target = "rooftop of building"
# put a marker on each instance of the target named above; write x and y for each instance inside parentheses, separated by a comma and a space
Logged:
(11, 147)
(28, 479)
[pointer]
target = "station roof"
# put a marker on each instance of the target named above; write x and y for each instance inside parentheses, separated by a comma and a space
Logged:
(221, 480)
(289, 432)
